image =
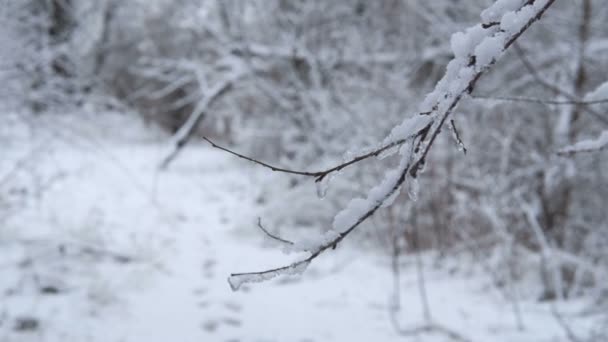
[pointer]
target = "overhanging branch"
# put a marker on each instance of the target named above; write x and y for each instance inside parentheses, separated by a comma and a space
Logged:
(460, 79)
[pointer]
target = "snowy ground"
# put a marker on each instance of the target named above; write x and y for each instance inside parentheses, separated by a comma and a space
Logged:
(186, 229)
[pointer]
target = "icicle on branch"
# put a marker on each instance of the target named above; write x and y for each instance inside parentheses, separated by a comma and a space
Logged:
(456, 136)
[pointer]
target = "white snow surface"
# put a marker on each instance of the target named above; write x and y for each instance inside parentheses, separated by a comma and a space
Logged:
(189, 228)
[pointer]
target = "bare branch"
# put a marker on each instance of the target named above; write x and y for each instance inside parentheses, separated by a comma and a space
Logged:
(539, 101)
(540, 80)
(270, 235)
(457, 138)
(318, 175)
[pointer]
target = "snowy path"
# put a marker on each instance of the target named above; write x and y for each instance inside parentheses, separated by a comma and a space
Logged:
(343, 297)
(194, 299)
(195, 221)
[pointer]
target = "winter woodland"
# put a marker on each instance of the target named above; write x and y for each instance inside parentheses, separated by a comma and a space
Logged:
(304, 170)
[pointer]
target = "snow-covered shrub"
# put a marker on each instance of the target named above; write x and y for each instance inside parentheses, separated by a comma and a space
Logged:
(50, 52)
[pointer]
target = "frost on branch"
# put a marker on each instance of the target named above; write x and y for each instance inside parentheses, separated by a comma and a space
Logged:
(379, 196)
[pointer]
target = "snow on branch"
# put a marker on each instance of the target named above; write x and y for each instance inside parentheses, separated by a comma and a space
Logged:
(475, 50)
(588, 145)
(318, 175)
(181, 137)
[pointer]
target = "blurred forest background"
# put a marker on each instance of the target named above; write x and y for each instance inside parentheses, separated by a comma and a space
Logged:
(301, 84)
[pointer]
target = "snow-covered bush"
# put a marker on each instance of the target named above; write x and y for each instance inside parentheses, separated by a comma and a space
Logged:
(52, 54)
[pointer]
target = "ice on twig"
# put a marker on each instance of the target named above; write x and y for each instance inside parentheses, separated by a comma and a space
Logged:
(237, 280)
(408, 128)
(388, 152)
(413, 188)
(323, 185)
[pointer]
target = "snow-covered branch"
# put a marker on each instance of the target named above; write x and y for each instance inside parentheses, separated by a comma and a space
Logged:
(587, 145)
(181, 137)
(475, 51)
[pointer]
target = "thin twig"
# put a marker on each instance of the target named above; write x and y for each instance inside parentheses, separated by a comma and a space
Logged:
(540, 101)
(428, 326)
(457, 137)
(318, 175)
(532, 70)
(272, 236)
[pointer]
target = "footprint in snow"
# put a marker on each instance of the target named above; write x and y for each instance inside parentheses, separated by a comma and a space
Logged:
(233, 307)
(208, 268)
(200, 291)
(210, 326)
(233, 322)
